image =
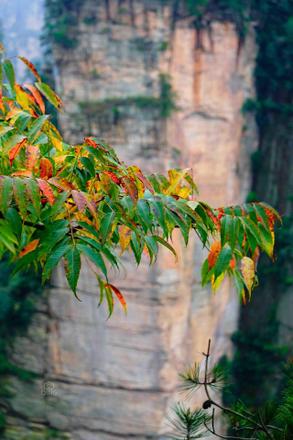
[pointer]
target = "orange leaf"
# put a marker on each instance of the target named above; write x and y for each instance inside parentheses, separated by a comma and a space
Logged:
(29, 247)
(91, 142)
(214, 253)
(15, 150)
(94, 144)
(37, 96)
(62, 184)
(145, 181)
(46, 190)
(214, 219)
(32, 68)
(130, 187)
(113, 177)
(232, 263)
(79, 199)
(22, 173)
(2, 108)
(32, 155)
(46, 168)
(271, 218)
(119, 296)
(221, 213)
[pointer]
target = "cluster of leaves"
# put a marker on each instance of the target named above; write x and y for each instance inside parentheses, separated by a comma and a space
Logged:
(61, 202)
(272, 421)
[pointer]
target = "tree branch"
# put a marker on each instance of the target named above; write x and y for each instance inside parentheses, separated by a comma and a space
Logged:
(227, 437)
(260, 425)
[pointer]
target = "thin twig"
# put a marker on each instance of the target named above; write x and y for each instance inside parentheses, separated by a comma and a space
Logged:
(213, 420)
(207, 355)
(227, 437)
(223, 408)
(265, 429)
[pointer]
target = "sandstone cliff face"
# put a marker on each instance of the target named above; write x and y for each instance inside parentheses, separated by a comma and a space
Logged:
(117, 379)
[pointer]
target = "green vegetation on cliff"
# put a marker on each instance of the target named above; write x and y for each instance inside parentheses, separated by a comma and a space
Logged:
(18, 296)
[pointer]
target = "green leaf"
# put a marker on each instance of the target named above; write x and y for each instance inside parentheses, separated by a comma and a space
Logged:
(36, 127)
(203, 234)
(223, 260)
(56, 208)
(49, 94)
(54, 257)
(239, 283)
(52, 234)
(90, 229)
(91, 242)
(89, 165)
(226, 221)
(267, 243)
(184, 206)
(206, 274)
(7, 236)
(201, 211)
(34, 195)
(12, 140)
(270, 208)
(166, 244)
(152, 246)
(158, 212)
(72, 266)
(260, 212)
(20, 195)
(9, 72)
(4, 129)
(102, 289)
(6, 190)
(110, 256)
(106, 225)
(229, 230)
(15, 221)
(251, 229)
(178, 221)
(136, 246)
(110, 300)
(144, 214)
(94, 255)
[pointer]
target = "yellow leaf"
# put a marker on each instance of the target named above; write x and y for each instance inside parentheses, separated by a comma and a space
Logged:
(216, 283)
(57, 143)
(124, 237)
(184, 192)
(24, 99)
(140, 188)
(175, 178)
(248, 272)
(60, 159)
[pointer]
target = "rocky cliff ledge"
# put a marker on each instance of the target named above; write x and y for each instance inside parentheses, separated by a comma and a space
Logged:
(132, 65)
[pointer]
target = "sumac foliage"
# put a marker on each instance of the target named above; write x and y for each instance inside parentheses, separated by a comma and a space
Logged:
(68, 203)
